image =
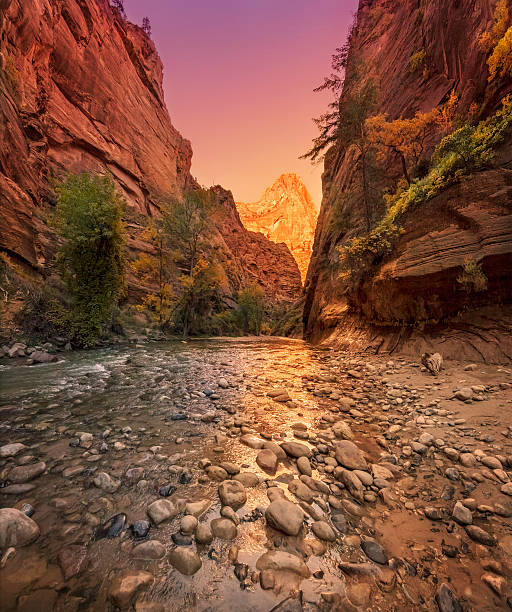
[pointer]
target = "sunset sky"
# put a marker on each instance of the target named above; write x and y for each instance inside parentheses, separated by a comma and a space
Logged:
(239, 76)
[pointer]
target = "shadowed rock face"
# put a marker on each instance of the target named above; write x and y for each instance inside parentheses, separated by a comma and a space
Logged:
(285, 213)
(81, 90)
(412, 299)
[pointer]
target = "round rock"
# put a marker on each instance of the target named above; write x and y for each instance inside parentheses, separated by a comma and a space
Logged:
(188, 524)
(152, 549)
(284, 516)
(16, 529)
(232, 493)
(267, 460)
(323, 531)
(185, 560)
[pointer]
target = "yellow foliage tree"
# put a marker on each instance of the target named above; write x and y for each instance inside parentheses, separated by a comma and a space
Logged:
(156, 269)
(500, 61)
(200, 296)
(499, 26)
(408, 138)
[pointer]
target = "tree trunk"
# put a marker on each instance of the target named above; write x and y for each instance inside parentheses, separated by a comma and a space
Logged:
(366, 195)
(404, 167)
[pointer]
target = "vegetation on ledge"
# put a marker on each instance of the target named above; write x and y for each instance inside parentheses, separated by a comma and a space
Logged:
(468, 148)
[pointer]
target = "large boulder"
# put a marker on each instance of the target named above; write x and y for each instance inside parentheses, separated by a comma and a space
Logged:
(161, 510)
(296, 449)
(232, 493)
(285, 516)
(185, 560)
(16, 529)
(350, 456)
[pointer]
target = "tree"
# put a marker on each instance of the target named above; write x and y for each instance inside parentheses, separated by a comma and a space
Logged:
(119, 5)
(200, 296)
(409, 138)
(90, 258)
(156, 268)
(251, 309)
(500, 61)
(328, 122)
(188, 224)
(344, 123)
(146, 26)
(355, 108)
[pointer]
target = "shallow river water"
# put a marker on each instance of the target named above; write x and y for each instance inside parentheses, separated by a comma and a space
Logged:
(112, 389)
(171, 409)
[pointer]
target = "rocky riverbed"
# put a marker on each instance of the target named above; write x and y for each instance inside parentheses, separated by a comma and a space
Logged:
(254, 475)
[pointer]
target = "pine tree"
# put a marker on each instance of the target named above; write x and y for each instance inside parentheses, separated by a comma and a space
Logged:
(146, 26)
(119, 5)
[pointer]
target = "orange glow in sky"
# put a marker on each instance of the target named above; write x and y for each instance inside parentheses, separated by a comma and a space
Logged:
(239, 78)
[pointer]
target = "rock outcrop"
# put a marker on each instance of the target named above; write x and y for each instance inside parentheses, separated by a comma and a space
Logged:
(81, 90)
(285, 213)
(411, 299)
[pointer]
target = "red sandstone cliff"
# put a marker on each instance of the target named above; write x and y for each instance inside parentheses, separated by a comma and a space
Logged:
(284, 213)
(411, 299)
(81, 90)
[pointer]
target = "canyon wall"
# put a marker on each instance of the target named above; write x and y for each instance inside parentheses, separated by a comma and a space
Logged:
(411, 299)
(285, 213)
(81, 90)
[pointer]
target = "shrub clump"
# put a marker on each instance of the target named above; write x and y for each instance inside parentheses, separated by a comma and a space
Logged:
(417, 60)
(472, 278)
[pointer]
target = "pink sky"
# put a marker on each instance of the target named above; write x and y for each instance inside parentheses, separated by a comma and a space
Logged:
(238, 80)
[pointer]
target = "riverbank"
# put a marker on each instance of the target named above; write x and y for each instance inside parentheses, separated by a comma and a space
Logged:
(270, 470)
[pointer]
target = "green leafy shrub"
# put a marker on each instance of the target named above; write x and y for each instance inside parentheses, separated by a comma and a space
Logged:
(250, 311)
(465, 150)
(472, 279)
(90, 258)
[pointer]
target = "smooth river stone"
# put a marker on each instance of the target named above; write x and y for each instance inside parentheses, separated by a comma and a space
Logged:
(185, 560)
(16, 529)
(285, 516)
(350, 456)
(232, 493)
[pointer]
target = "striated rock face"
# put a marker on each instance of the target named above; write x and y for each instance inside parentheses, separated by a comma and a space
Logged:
(285, 213)
(411, 300)
(81, 90)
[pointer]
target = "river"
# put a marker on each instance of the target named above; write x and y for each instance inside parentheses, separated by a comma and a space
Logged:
(118, 430)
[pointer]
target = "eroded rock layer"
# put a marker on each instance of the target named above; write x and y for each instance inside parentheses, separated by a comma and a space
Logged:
(81, 90)
(412, 300)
